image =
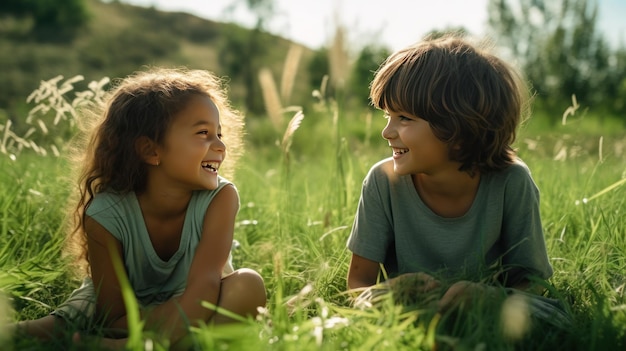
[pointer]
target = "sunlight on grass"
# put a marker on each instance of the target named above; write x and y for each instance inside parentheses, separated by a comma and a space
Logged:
(298, 197)
(6, 316)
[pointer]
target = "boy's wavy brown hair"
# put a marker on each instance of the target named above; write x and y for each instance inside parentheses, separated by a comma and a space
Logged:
(141, 105)
(473, 100)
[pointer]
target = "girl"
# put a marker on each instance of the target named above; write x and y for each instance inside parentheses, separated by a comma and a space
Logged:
(453, 211)
(150, 195)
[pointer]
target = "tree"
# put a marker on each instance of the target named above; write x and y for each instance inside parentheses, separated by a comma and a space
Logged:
(559, 49)
(51, 19)
(617, 84)
(318, 68)
(250, 48)
(366, 64)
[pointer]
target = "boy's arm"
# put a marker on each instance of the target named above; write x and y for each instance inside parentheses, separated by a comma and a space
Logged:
(522, 235)
(362, 273)
(465, 290)
(524, 283)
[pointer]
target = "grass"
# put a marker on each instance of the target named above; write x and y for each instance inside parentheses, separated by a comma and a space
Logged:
(297, 208)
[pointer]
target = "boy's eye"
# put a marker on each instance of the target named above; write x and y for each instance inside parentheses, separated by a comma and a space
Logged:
(398, 116)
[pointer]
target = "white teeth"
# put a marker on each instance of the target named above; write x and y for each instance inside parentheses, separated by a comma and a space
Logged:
(211, 165)
(400, 151)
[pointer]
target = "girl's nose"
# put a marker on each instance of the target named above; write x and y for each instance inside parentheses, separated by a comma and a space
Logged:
(218, 145)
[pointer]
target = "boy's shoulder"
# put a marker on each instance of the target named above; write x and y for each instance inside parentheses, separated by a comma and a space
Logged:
(383, 165)
(383, 169)
(517, 175)
(517, 168)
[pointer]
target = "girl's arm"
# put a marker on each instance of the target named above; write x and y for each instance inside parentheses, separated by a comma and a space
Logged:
(102, 247)
(205, 275)
(203, 280)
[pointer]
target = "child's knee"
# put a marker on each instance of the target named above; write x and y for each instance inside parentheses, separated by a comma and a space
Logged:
(249, 285)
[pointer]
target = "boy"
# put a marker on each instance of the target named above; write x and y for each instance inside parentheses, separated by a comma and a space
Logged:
(454, 207)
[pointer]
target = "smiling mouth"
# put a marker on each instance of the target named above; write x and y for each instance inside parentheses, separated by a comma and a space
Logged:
(211, 166)
(397, 151)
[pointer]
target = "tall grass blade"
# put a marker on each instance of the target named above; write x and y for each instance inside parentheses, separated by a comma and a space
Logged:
(135, 325)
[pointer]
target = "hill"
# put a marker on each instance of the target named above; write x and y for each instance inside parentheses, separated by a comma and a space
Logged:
(120, 38)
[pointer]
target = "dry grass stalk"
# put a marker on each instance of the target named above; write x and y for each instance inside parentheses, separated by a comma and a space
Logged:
(290, 70)
(293, 125)
(570, 111)
(273, 106)
(5, 137)
(338, 58)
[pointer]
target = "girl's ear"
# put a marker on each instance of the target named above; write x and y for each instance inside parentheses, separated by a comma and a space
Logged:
(147, 150)
(454, 150)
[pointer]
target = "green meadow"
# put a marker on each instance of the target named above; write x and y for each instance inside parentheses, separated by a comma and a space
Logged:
(299, 186)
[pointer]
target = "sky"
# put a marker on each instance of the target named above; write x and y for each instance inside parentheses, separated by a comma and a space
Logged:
(394, 23)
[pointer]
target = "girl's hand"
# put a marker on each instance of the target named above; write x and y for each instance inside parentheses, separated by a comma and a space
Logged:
(102, 343)
(462, 293)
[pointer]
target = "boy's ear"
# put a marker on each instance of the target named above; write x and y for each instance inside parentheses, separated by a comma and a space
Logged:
(147, 150)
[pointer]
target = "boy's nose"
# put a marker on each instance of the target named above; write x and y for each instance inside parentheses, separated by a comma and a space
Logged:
(388, 132)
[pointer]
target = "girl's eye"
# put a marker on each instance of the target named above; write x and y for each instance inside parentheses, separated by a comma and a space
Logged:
(404, 118)
(206, 132)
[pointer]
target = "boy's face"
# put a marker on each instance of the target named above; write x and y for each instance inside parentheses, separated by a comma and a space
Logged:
(415, 147)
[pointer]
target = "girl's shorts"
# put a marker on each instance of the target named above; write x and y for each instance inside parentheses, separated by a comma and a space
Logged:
(80, 307)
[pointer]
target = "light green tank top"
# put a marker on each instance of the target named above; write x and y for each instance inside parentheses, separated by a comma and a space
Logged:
(153, 280)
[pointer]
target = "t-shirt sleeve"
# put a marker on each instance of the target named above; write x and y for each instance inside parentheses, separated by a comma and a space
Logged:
(112, 211)
(522, 231)
(204, 197)
(372, 229)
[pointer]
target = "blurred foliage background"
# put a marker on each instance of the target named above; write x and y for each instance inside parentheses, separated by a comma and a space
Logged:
(300, 192)
(556, 43)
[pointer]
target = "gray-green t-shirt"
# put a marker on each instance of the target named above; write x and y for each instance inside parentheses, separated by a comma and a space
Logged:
(153, 280)
(394, 227)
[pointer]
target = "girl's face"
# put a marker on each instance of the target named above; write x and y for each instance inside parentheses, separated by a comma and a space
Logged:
(415, 147)
(193, 151)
